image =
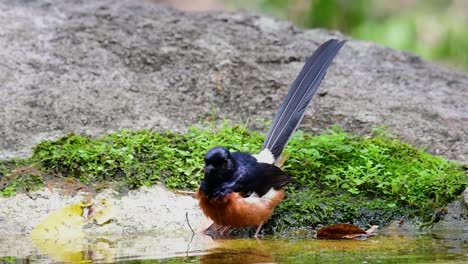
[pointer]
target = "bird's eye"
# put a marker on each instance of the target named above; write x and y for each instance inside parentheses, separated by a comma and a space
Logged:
(219, 162)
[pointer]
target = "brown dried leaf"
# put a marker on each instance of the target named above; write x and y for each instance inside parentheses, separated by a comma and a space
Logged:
(340, 231)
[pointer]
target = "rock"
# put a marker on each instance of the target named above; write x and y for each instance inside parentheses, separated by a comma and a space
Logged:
(153, 220)
(150, 219)
(94, 67)
(465, 196)
(455, 217)
(153, 209)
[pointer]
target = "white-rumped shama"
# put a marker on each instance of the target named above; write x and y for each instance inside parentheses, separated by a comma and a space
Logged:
(240, 189)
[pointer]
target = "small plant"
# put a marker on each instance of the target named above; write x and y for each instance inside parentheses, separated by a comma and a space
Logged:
(17, 176)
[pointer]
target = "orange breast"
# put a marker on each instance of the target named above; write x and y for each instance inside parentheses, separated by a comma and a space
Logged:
(237, 211)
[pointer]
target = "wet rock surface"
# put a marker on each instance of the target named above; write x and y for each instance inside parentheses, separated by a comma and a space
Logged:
(98, 66)
(148, 209)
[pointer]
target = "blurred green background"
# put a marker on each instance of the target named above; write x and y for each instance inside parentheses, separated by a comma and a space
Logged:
(435, 29)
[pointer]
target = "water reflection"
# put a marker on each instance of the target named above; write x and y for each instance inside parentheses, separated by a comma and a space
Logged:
(435, 247)
(439, 247)
(239, 251)
(103, 249)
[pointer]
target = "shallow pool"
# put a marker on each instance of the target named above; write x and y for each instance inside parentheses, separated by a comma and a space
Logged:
(446, 246)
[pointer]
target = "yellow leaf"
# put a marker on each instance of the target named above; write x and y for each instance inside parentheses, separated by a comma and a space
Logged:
(60, 235)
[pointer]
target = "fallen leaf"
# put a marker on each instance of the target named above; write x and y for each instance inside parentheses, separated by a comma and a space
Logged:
(60, 235)
(344, 231)
(63, 223)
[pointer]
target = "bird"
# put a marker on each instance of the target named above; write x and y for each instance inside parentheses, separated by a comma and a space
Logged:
(240, 189)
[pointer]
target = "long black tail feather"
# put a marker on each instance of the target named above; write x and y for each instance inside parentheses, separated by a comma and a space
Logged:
(292, 110)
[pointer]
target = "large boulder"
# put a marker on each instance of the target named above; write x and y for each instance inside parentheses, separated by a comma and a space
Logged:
(98, 66)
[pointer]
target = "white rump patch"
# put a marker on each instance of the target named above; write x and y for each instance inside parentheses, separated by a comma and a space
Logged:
(265, 156)
(255, 199)
(270, 195)
(252, 199)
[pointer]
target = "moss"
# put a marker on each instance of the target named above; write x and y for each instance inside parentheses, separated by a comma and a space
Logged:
(340, 177)
(8, 259)
(365, 180)
(140, 158)
(19, 175)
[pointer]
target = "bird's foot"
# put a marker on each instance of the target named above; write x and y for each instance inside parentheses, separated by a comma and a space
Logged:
(224, 230)
(258, 230)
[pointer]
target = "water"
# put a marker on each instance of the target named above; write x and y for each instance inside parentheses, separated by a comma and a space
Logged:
(449, 246)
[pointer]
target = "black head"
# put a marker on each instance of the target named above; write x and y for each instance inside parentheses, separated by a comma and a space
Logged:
(219, 165)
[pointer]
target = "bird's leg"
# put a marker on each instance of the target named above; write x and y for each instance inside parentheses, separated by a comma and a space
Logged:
(258, 230)
(223, 231)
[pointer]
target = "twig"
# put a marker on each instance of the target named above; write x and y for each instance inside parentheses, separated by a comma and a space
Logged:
(372, 229)
(185, 192)
(188, 223)
(193, 234)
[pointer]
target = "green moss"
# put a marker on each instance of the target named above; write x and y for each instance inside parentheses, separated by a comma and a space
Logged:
(340, 177)
(9, 259)
(365, 180)
(140, 158)
(18, 176)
